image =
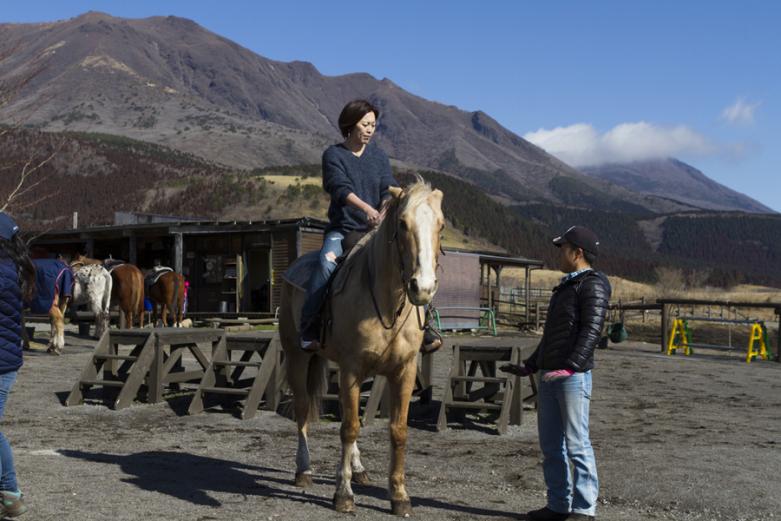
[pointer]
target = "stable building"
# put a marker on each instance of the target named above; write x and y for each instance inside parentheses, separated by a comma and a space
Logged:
(232, 266)
(237, 266)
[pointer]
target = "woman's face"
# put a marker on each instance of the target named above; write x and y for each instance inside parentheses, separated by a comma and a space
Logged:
(363, 131)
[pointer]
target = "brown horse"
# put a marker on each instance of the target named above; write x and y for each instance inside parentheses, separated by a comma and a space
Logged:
(128, 290)
(374, 325)
(168, 292)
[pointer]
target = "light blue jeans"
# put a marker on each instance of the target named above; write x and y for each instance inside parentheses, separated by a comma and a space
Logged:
(562, 422)
(7, 470)
(332, 247)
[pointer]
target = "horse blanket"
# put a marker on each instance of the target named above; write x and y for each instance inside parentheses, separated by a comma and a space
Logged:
(52, 278)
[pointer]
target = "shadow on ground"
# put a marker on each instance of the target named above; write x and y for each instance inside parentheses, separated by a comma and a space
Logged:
(192, 478)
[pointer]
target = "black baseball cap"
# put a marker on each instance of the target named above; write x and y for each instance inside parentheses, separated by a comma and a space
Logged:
(581, 237)
(8, 227)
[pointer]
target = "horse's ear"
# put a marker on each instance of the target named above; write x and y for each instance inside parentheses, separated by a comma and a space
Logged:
(437, 195)
(395, 191)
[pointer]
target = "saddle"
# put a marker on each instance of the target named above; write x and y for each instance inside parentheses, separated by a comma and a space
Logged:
(300, 271)
(151, 278)
(111, 264)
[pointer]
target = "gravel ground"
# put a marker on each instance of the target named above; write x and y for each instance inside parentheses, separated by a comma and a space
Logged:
(676, 439)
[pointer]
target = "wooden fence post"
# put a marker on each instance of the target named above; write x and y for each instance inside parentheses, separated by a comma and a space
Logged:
(664, 327)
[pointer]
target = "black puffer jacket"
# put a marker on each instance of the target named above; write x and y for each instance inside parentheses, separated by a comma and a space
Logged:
(573, 327)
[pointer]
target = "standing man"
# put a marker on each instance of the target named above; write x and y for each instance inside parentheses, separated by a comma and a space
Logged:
(565, 358)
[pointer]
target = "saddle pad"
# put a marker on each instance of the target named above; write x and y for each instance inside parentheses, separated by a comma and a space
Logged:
(151, 278)
(299, 272)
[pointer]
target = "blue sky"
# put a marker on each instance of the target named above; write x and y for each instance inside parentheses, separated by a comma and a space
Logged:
(589, 81)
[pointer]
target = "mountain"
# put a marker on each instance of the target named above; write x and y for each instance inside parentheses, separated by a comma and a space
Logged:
(677, 180)
(169, 81)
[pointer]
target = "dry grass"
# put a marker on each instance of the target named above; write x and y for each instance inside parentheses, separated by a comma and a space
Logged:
(283, 181)
(628, 290)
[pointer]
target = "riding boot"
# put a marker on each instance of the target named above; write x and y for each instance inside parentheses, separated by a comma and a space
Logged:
(432, 340)
(310, 336)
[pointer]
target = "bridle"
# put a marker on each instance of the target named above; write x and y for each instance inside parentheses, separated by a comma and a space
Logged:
(404, 280)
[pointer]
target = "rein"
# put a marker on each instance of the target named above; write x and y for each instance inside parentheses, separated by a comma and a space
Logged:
(404, 282)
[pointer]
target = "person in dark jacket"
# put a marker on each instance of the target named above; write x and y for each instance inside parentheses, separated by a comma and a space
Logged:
(565, 358)
(357, 176)
(17, 283)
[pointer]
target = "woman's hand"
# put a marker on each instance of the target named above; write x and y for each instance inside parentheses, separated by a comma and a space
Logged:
(373, 217)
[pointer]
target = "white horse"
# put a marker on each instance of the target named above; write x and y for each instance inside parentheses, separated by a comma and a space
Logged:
(91, 286)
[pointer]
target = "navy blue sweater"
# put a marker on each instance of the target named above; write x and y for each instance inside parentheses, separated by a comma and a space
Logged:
(10, 318)
(368, 177)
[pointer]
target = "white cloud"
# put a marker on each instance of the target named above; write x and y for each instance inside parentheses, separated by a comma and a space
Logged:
(740, 113)
(582, 145)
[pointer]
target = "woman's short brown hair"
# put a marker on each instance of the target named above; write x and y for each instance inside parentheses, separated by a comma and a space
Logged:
(353, 112)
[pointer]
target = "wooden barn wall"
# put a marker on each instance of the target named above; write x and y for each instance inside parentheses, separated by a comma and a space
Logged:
(310, 241)
(459, 286)
(283, 252)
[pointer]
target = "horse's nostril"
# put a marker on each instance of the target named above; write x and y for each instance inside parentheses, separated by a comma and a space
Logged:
(413, 284)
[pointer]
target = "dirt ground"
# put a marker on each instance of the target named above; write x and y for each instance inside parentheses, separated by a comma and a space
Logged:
(675, 438)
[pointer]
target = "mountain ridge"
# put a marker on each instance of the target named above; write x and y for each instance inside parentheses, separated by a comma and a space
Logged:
(675, 179)
(168, 80)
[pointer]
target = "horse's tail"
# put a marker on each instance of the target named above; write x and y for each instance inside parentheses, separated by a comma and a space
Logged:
(106, 301)
(316, 384)
(175, 302)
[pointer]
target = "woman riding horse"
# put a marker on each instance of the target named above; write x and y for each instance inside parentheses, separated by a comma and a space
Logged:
(357, 176)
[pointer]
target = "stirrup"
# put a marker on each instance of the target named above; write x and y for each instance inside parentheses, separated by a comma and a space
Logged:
(310, 346)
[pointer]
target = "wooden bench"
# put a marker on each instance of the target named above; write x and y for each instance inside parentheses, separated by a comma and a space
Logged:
(130, 358)
(501, 393)
(375, 398)
(261, 352)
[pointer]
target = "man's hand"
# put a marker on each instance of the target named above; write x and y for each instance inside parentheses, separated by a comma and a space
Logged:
(558, 374)
(518, 370)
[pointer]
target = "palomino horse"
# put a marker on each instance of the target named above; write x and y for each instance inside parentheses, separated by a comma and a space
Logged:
(128, 287)
(167, 291)
(91, 285)
(374, 326)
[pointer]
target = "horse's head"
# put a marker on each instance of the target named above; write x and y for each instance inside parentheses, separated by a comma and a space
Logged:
(418, 226)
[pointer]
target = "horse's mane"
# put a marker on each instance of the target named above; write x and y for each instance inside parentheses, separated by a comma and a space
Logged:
(413, 194)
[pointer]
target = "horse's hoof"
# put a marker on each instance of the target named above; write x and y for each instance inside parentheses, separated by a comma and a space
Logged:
(344, 504)
(401, 508)
(303, 479)
(361, 478)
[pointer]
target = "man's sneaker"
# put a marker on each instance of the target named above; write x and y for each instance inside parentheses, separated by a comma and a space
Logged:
(580, 517)
(546, 514)
(13, 505)
(432, 340)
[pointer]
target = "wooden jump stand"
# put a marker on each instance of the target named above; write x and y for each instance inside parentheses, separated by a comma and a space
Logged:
(375, 398)
(261, 351)
(154, 360)
(501, 393)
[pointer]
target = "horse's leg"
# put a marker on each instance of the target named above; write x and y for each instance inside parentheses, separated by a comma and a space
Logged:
(401, 387)
(57, 319)
(301, 405)
(164, 312)
(349, 392)
(360, 476)
(97, 310)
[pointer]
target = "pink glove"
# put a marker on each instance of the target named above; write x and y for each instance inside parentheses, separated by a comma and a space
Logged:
(558, 374)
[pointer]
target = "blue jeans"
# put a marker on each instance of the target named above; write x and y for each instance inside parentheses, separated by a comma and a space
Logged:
(331, 250)
(7, 470)
(562, 421)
